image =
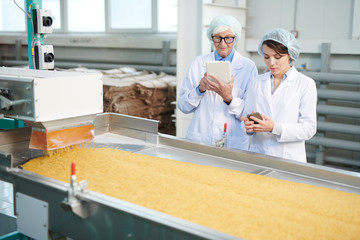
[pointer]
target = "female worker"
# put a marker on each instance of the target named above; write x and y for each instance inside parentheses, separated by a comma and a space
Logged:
(285, 98)
(214, 102)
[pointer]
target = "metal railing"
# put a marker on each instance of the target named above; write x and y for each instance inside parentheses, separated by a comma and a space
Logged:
(331, 132)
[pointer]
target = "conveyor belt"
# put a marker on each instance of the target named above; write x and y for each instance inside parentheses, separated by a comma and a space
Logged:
(140, 136)
(180, 154)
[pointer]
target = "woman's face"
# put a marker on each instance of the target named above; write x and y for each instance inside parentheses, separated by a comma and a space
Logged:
(277, 63)
(223, 48)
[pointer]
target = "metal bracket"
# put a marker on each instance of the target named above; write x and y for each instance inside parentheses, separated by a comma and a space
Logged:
(6, 95)
(7, 104)
(81, 208)
(221, 143)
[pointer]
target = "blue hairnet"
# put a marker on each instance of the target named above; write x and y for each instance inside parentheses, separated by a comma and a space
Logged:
(225, 20)
(284, 37)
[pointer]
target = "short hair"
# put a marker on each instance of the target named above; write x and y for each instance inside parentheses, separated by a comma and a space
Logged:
(277, 47)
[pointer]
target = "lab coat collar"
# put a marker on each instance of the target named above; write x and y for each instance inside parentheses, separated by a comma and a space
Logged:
(227, 58)
(238, 61)
(266, 76)
(291, 74)
(290, 77)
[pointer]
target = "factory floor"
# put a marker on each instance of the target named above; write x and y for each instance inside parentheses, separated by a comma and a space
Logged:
(6, 198)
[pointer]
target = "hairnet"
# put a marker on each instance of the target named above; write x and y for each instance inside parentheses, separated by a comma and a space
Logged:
(225, 20)
(284, 37)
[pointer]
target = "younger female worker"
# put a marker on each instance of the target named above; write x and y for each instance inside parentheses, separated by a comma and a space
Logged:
(285, 98)
(214, 102)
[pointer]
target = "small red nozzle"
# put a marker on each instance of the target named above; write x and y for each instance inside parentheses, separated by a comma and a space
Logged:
(73, 165)
(225, 126)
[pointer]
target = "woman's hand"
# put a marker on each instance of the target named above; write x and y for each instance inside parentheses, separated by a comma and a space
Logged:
(266, 124)
(204, 83)
(221, 88)
(249, 124)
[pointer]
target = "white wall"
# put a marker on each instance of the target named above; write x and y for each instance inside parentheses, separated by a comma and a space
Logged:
(317, 21)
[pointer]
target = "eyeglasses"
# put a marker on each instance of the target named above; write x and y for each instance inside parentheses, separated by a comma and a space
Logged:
(217, 39)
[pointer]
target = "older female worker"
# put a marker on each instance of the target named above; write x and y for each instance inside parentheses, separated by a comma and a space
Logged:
(285, 98)
(214, 102)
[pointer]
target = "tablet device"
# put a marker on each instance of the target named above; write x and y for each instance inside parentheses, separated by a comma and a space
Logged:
(220, 69)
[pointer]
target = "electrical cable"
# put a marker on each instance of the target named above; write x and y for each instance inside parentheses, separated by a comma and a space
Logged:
(22, 10)
(30, 7)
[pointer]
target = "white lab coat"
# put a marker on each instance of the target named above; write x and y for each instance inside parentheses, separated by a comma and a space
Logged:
(210, 111)
(292, 107)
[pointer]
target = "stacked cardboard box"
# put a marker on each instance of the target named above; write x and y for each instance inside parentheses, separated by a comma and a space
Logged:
(142, 94)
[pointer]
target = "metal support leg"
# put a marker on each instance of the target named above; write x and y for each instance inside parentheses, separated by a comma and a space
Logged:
(325, 57)
(166, 53)
(319, 155)
(18, 47)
